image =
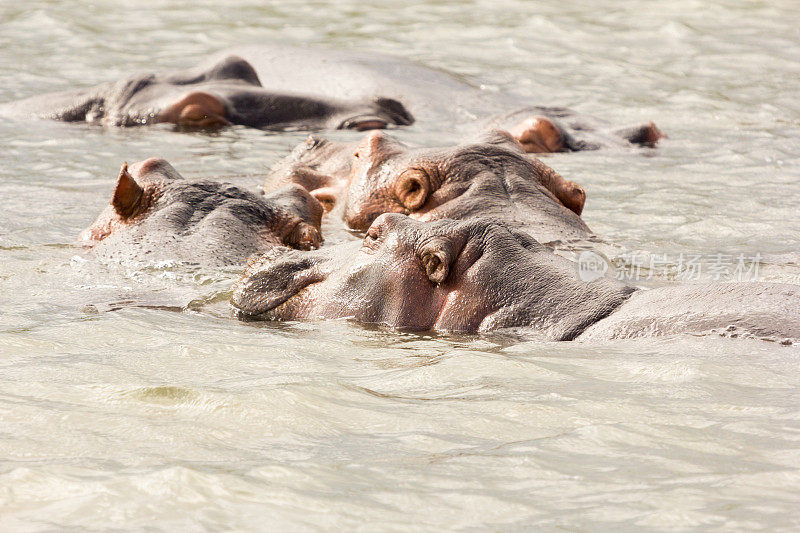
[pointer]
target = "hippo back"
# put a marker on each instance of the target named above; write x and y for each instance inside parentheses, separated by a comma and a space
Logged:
(431, 94)
(764, 310)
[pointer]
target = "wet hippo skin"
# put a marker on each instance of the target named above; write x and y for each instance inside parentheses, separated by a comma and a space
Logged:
(270, 86)
(319, 165)
(222, 92)
(475, 276)
(156, 215)
(490, 177)
(435, 96)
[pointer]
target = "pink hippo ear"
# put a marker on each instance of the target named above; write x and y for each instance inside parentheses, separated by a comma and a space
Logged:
(127, 194)
(438, 255)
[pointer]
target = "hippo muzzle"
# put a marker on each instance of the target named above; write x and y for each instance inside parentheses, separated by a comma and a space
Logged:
(273, 279)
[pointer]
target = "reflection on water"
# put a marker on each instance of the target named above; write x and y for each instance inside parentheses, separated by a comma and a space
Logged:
(119, 411)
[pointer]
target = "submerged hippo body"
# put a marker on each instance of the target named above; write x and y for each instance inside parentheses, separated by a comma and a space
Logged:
(268, 86)
(479, 276)
(156, 215)
(218, 93)
(492, 177)
(436, 96)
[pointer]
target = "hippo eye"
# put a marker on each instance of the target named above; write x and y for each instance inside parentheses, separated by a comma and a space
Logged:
(412, 188)
(312, 142)
(372, 239)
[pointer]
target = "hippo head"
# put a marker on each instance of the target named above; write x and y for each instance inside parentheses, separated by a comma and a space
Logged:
(445, 275)
(319, 165)
(132, 199)
(492, 177)
(228, 91)
(154, 209)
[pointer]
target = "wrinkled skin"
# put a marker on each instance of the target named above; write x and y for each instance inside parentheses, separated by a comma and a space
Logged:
(492, 178)
(156, 215)
(271, 86)
(444, 275)
(477, 276)
(225, 92)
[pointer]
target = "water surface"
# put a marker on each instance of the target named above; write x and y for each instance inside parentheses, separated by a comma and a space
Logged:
(130, 399)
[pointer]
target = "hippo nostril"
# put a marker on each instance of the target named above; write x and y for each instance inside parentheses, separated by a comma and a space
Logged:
(305, 237)
(273, 279)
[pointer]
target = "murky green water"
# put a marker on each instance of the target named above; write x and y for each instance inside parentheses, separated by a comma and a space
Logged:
(114, 415)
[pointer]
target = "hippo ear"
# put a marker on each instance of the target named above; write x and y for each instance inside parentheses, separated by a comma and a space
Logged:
(234, 67)
(326, 196)
(437, 256)
(437, 265)
(196, 109)
(304, 236)
(396, 111)
(127, 194)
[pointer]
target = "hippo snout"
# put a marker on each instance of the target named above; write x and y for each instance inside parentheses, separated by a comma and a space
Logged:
(271, 281)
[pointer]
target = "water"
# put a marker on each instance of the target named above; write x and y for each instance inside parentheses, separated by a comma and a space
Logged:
(130, 399)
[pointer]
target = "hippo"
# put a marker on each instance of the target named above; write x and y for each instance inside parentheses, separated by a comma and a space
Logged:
(437, 97)
(319, 165)
(269, 86)
(218, 93)
(492, 177)
(479, 276)
(157, 215)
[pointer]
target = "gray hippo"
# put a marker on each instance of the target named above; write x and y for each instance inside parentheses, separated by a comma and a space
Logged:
(155, 215)
(269, 86)
(436, 97)
(478, 276)
(219, 93)
(490, 177)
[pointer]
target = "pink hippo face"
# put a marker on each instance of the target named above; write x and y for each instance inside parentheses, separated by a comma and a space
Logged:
(492, 178)
(445, 275)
